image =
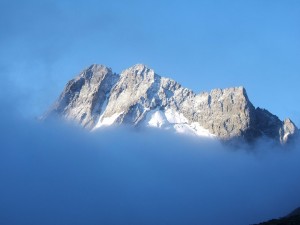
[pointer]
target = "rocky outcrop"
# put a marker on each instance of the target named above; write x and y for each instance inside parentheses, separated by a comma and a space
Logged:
(287, 131)
(84, 96)
(98, 97)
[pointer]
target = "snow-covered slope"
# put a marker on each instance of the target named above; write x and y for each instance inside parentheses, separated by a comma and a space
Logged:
(97, 97)
(174, 121)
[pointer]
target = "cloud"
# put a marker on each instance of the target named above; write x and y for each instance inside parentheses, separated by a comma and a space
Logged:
(53, 173)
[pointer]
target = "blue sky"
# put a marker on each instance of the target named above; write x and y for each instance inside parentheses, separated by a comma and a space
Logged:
(201, 44)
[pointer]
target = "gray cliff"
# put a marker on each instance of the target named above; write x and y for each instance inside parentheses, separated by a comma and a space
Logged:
(98, 97)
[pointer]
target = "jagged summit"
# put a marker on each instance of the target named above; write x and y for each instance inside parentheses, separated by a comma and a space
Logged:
(97, 97)
(94, 70)
(138, 67)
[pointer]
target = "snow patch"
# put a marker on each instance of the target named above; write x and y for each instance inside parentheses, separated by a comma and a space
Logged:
(172, 120)
(157, 119)
(107, 121)
(175, 117)
(103, 107)
(200, 131)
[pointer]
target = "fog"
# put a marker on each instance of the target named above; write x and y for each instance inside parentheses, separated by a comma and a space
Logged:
(57, 173)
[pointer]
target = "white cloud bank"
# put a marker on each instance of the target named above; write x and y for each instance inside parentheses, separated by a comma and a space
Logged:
(55, 174)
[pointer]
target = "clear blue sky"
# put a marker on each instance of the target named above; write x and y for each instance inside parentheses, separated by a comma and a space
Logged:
(201, 44)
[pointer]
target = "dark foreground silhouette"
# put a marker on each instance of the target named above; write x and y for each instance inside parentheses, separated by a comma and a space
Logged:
(292, 219)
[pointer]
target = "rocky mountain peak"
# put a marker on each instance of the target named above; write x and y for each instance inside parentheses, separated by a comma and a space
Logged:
(139, 72)
(95, 70)
(97, 97)
(137, 68)
(288, 130)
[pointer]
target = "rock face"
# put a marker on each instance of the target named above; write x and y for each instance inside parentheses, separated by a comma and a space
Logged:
(98, 97)
(84, 96)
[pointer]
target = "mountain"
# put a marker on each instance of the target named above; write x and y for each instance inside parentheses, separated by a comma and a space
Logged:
(292, 219)
(98, 97)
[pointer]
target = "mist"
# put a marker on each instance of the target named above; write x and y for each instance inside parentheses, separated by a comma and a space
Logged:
(57, 173)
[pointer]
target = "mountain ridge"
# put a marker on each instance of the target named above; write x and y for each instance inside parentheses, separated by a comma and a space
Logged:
(98, 97)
